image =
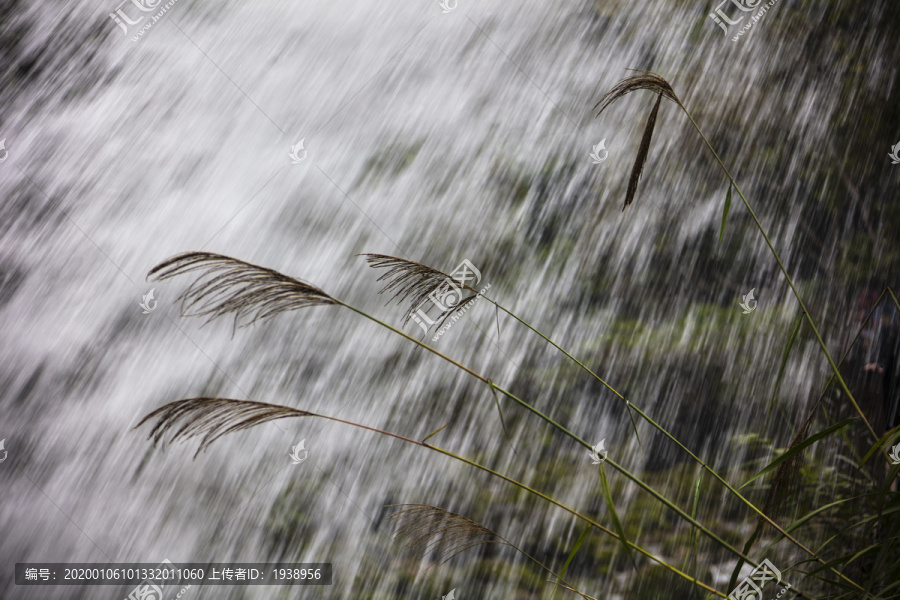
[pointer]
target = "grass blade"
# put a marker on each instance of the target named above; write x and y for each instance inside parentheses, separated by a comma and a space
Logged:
(799, 447)
(879, 445)
(725, 213)
(691, 557)
(575, 549)
(628, 406)
(617, 524)
(435, 432)
(804, 519)
(500, 412)
(740, 562)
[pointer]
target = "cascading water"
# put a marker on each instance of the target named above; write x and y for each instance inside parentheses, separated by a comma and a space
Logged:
(436, 136)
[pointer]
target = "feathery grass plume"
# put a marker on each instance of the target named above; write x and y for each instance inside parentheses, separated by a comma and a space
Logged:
(212, 418)
(644, 80)
(228, 285)
(427, 528)
(414, 282)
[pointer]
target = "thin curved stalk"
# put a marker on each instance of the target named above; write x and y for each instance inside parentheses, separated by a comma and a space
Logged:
(787, 277)
(893, 297)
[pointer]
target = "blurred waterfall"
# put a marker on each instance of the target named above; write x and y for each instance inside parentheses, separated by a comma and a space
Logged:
(436, 137)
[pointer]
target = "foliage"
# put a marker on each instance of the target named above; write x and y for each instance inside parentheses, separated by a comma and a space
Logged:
(838, 537)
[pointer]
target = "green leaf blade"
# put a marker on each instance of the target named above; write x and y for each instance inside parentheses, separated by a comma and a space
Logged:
(725, 213)
(614, 515)
(799, 448)
(575, 548)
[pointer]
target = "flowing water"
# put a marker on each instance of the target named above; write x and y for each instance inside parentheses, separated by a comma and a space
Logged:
(434, 136)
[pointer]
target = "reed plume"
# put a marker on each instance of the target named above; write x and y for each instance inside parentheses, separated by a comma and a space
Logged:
(212, 418)
(426, 528)
(643, 80)
(228, 285)
(413, 283)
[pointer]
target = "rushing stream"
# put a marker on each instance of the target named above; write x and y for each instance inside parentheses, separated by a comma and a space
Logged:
(438, 136)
